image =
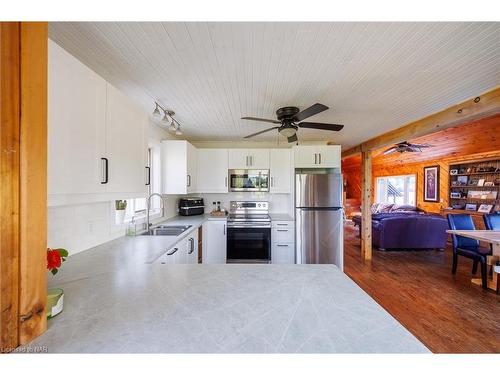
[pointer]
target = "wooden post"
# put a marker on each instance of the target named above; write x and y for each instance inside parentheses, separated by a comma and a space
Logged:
(366, 202)
(33, 181)
(9, 185)
(23, 188)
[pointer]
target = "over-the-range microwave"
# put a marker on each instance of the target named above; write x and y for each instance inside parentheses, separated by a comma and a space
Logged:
(248, 179)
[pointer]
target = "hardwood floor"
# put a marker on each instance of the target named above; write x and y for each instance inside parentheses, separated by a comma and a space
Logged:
(444, 311)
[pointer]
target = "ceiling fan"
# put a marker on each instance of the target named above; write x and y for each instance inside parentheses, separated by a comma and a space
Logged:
(289, 120)
(406, 147)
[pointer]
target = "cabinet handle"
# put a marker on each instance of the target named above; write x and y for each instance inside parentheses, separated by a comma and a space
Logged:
(106, 170)
(272, 181)
(315, 158)
(149, 176)
(192, 246)
(173, 251)
(224, 229)
(225, 181)
(282, 225)
(282, 230)
(319, 158)
(282, 245)
(246, 164)
(251, 161)
(189, 180)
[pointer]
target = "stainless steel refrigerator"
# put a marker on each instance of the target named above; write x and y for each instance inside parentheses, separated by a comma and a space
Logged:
(319, 217)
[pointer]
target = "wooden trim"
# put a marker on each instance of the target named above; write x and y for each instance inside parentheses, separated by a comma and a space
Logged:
(366, 203)
(33, 181)
(9, 185)
(469, 110)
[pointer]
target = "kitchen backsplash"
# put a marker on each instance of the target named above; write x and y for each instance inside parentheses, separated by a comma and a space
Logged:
(278, 203)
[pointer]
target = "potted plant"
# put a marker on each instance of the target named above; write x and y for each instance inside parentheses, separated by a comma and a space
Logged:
(55, 298)
(120, 206)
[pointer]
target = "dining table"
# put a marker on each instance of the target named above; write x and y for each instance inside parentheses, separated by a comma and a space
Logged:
(492, 237)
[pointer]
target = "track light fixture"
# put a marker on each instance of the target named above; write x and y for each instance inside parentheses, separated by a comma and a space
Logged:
(167, 118)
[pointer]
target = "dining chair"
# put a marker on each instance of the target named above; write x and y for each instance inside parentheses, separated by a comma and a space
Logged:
(492, 221)
(468, 247)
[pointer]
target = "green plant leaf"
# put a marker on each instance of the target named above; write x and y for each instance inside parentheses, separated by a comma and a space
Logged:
(54, 271)
(63, 252)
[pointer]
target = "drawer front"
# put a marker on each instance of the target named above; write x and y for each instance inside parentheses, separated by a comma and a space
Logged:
(283, 224)
(283, 235)
(283, 253)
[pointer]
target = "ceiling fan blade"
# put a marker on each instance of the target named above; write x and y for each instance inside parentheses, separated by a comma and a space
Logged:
(423, 145)
(292, 139)
(262, 131)
(311, 111)
(261, 119)
(390, 151)
(319, 125)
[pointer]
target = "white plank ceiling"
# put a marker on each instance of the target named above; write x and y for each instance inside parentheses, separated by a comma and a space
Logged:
(373, 76)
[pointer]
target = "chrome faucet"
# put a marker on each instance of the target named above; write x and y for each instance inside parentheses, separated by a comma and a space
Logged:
(148, 203)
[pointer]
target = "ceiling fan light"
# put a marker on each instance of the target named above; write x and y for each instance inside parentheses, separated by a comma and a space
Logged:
(172, 127)
(156, 112)
(287, 131)
(178, 131)
(166, 119)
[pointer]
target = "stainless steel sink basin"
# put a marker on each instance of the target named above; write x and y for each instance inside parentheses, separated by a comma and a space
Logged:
(167, 230)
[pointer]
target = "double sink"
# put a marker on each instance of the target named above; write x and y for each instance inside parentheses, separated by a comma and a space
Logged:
(166, 230)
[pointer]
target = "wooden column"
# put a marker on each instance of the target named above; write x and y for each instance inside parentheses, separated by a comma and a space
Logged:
(33, 182)
(9, 184)
(23, 190)
(366, 202)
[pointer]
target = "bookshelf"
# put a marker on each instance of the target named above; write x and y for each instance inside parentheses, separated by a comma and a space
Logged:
(473, 184)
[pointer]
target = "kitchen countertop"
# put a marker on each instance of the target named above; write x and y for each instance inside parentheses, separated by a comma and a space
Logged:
(115, 301)
(281, 217)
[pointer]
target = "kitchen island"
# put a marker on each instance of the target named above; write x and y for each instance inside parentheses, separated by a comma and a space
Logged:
(117, 300)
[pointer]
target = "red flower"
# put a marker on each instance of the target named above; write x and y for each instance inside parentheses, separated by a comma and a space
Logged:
(53, 259)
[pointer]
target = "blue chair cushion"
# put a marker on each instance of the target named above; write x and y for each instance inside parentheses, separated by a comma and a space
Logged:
(492, 221)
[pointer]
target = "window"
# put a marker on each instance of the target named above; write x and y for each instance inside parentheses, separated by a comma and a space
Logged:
(397, 189)
(137, 207)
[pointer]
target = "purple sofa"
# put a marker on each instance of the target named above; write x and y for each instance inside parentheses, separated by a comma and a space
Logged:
(406, 227)
(409, 231)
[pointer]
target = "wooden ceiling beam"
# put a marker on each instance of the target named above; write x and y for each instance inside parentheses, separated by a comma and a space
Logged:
(484, 105)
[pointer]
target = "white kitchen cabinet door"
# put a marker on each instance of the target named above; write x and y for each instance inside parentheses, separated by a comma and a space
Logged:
(253, 158)
(281, 170)
(317, 156)
(126, 147)
(192, 247)
(76, 125)
(212, 170)
(283, 253)
(179, 167)
(191, 168)
(214, 242)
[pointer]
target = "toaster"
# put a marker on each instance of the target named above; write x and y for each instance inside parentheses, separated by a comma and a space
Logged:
(191, 206)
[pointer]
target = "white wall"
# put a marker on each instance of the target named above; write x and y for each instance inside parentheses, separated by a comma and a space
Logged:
(80, 227)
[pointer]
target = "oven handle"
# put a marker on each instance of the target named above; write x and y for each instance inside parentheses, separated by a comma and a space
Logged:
(248, 226)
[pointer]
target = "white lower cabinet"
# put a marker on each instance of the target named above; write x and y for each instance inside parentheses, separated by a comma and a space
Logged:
(214, 242)
(192, 247)
(283, 242)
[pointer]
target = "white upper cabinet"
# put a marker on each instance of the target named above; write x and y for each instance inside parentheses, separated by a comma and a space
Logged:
(256, 158)
(317, 156)
(96, 135)
(280, 170)
(179, 167)
(76, 125)
(212, 170)
(125, 144)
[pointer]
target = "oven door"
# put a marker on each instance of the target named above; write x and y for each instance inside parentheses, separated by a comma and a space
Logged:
(248, 180)
(248, 244)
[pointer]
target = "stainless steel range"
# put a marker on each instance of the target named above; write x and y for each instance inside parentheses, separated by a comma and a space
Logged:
(249, 232)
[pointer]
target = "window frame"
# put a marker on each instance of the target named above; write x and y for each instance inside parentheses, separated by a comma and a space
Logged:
(405, 188)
